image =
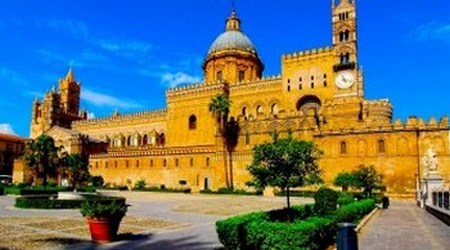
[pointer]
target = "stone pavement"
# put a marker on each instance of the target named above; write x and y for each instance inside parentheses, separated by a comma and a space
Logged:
(404, 226)
(154, 221)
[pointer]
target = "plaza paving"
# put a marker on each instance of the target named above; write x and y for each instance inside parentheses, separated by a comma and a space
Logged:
(154, 221)
(404, 226)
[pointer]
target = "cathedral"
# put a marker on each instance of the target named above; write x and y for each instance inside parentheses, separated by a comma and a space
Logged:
(318, 96)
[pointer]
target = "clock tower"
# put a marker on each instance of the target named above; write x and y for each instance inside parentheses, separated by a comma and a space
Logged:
(348, 80)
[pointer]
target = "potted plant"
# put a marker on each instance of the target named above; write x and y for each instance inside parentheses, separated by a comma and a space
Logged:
(103, 219)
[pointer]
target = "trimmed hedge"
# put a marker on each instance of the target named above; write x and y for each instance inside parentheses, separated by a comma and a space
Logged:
(46, 203)
(232, 231)
(325, 201)
(225, 190)
(257, 231)
(354, 212)
(22, 189)
(312, 233)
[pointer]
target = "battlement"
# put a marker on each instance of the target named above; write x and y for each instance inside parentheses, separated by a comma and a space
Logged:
(307, 53)
(195, 88)
(161, 113)
(264, 81)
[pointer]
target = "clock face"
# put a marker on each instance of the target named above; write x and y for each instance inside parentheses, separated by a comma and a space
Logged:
(345, 80)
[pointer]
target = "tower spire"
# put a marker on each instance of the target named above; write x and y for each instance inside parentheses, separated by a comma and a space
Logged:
(233, 22)
(70, 77)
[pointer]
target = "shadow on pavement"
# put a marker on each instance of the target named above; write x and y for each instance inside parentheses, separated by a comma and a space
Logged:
(185, 243)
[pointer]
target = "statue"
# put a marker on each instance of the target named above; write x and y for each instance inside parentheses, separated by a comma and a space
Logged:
(430, 161)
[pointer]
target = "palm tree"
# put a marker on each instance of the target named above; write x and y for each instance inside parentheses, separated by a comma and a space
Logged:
(220, 107)
(42, 157)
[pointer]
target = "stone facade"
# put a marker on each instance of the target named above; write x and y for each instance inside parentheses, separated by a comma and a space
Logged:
(318, 96)
(11, 148)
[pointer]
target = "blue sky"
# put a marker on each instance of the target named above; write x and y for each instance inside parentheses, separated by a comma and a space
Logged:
(126, 53)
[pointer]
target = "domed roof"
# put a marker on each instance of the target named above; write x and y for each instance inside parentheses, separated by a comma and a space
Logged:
(232, 39)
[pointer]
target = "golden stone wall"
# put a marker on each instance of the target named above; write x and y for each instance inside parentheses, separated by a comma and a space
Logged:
(318, 96)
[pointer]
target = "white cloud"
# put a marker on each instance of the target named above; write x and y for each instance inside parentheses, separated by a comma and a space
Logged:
(100, 99)
(74, 28)
(6, 128)
(11, 76)
(433, 31)
(173, 80)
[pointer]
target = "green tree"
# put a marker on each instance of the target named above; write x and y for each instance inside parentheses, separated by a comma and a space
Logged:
(76, 166)
(228, 129)
(367, 178)
(345, 180)
(284, 163)
(42, 157)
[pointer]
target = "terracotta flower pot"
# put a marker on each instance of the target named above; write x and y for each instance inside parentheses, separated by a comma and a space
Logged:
(103, 229)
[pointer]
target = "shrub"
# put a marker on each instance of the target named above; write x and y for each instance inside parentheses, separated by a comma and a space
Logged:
(344, 199)
(140, 185)
(294, 213)
(256, 231)
(97, 181)
(46, 203)
(313, 233)
(231, 231)
(354, 211)
(97, 209)
(325, 201)
(225, 190)
(89, 189)
(297, 193)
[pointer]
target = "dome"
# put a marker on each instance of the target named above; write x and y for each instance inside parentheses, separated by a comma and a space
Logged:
(232, 39)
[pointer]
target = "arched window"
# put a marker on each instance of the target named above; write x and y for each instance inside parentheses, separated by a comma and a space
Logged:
(345, 58)
(346, 36)
(244, 111)
(381, 146)
(241, 75)
(343, 147)
(259, 110)
(207, 161)
(308, 102)
(192, 122)
(274, 109)
(162, 139)
(219, 75)
(145, 140)
(191, 162)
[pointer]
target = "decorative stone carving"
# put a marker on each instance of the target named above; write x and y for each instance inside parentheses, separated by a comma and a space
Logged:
(430, 161)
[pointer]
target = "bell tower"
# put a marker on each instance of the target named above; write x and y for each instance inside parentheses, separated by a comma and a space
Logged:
(70, 93)
(344, 34)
